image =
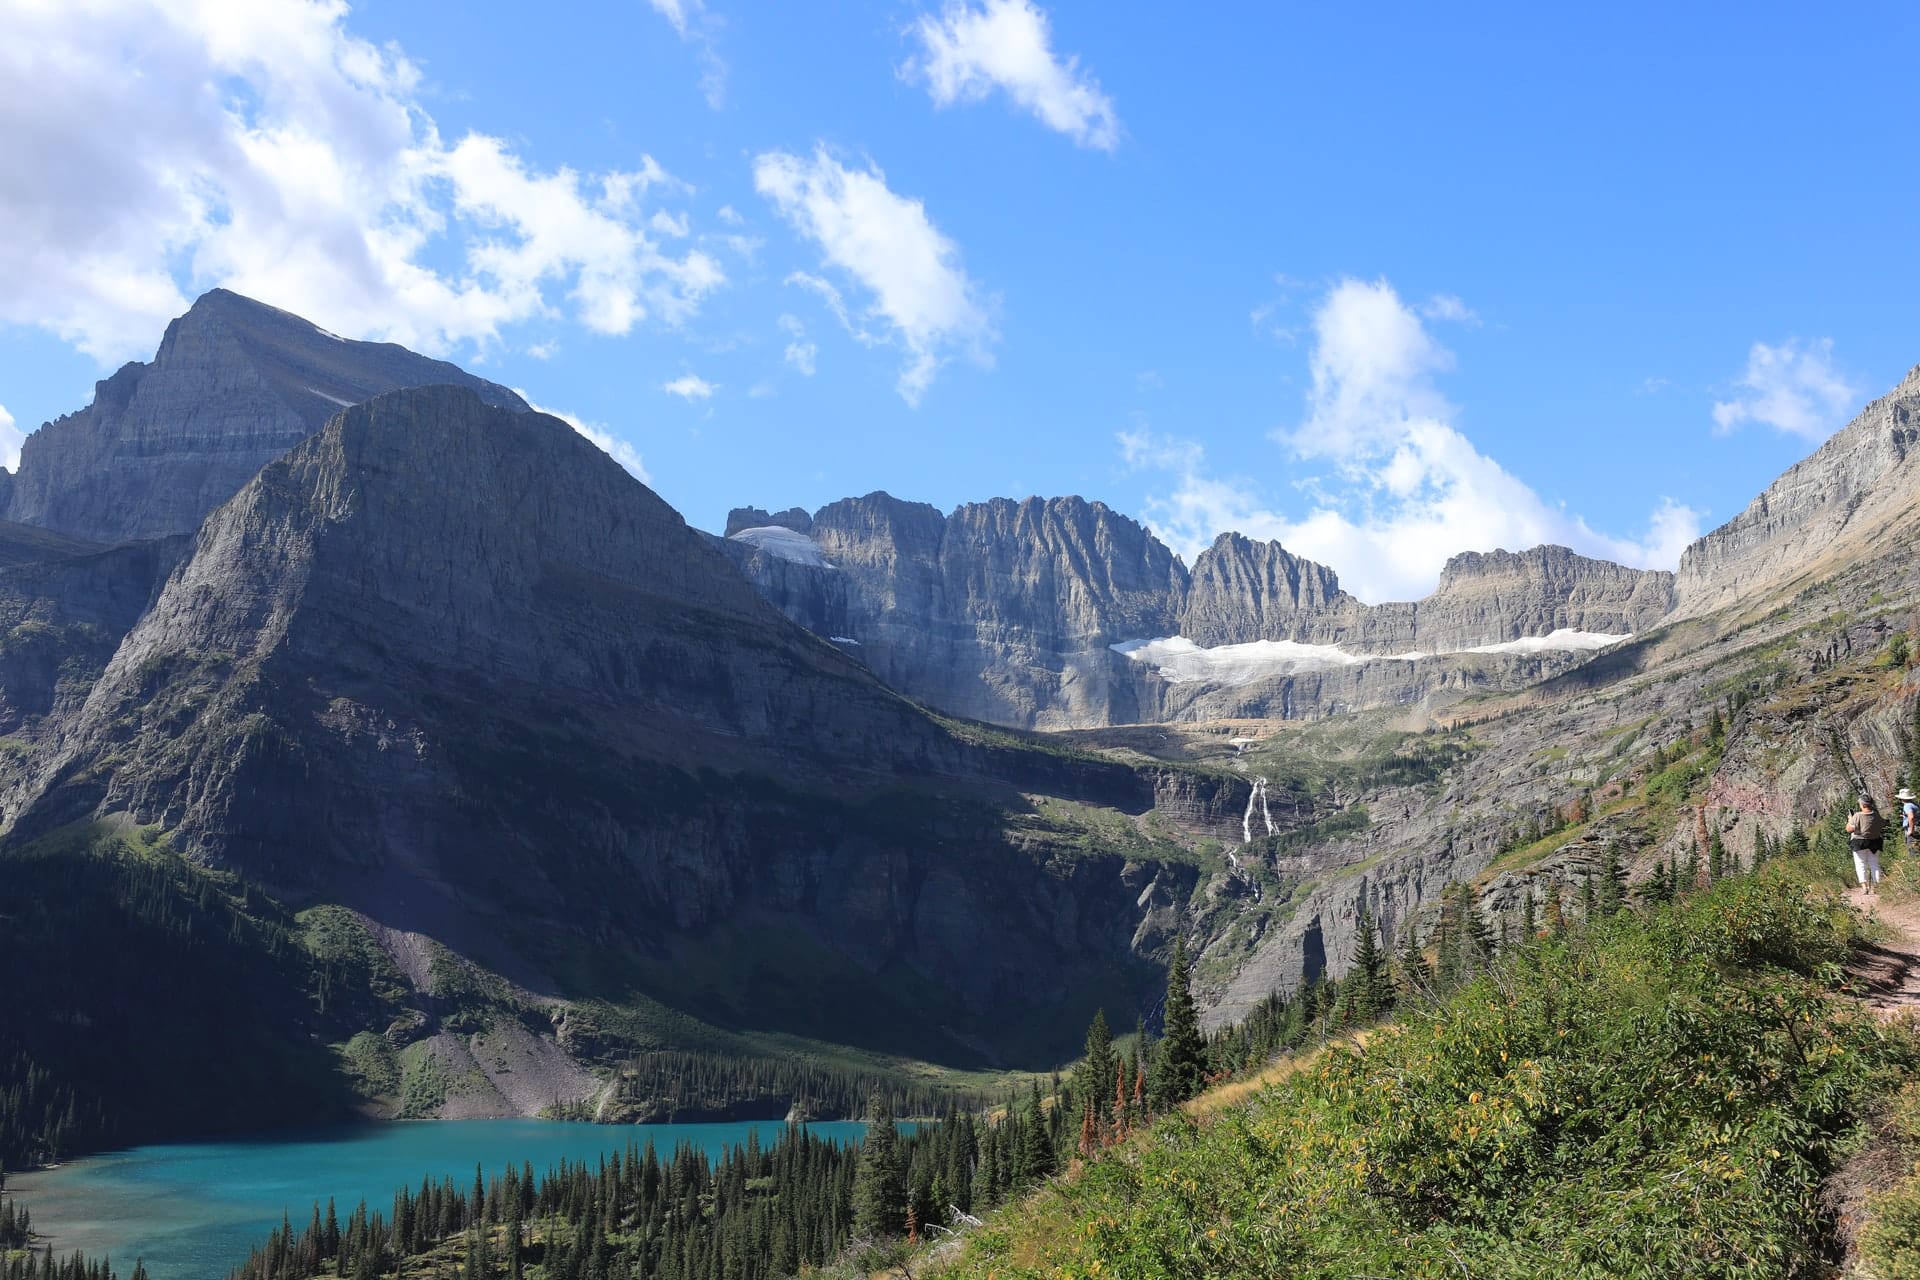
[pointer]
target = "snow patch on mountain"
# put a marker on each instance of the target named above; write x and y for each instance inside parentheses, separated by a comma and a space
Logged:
(785, 544)
(1179, 660)
(1563, 640)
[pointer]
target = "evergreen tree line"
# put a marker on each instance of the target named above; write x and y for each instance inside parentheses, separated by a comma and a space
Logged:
(26, 1264)
(671, 1085)
(753, 1213)
(145, 999)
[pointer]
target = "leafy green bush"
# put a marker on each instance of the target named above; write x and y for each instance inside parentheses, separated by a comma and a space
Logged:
(1659, 1097)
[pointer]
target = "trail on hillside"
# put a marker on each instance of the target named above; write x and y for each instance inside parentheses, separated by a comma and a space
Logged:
(1890, 968)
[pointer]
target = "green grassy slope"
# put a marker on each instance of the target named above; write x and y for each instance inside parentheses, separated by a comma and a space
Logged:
(1660, 1095)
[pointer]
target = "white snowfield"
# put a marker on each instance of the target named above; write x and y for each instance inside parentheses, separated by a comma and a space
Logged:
(1179, 660)
(784, 543)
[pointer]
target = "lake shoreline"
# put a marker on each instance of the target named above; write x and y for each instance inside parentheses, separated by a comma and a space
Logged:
(193, 1210)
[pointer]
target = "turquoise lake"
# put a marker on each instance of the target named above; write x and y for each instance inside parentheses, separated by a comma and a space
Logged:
(193, 1210)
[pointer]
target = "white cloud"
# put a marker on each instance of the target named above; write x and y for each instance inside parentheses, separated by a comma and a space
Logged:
(1445, 306)
(1792, 388)
(695, 26)
(886, 243)
(802, 350)
(969, 51)
(542, 350)
(619, 450)
(668, 224)
(690, 386)
(1404, 491)
(675, 13)
(264, 147)
(10, 439)
(730, 215)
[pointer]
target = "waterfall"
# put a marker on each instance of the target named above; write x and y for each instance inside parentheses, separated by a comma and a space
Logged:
(1258, 794)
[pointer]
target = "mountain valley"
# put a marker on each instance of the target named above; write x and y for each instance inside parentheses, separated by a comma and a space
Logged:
(508, 792)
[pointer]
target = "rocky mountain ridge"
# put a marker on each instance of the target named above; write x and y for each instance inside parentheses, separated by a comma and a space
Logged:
(1011, 611)
(1824, 511)
(235, 383)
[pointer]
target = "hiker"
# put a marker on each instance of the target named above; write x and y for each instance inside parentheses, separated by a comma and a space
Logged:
(1865, 829)
(1909, 816)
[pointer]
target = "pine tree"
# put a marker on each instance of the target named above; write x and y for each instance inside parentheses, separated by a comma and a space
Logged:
(1612, 894)
(1716, 858)
(1372, 994)
(1410, 965)
(1093, 1074)
(1180, 1061)
(880, 1187)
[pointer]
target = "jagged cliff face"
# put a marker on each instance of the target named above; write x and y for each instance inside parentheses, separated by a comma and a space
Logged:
(1825, 512)
(234, 385)
(1004, 611)
(1010, 612)
(1244, 590)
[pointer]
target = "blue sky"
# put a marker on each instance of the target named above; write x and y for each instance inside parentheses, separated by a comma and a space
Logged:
(1386, 283)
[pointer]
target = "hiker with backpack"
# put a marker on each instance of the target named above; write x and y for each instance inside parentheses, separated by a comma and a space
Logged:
(1865, 831)
(1909, 816)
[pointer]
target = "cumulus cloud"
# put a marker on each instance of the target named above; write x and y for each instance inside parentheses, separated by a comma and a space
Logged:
(264, 147)
(1793, 387)
(10, 438)
(689, 386)
(968, 51)
(884, 242)
(1403, 489)
(614, 447)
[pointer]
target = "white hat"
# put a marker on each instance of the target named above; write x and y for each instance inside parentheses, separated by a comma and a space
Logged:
(1905, 793)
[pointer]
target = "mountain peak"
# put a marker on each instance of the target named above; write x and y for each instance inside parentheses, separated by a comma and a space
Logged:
(235, 383)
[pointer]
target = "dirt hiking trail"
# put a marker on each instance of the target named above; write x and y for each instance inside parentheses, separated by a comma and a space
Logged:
(1890, 968)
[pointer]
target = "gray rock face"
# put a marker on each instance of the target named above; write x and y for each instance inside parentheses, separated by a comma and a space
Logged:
(1501, 596)
(65, 606)
(234, 385)
(1007, 611)
(1244, 590)
(1003, 611)
(1819, 515)
(450, 666)
(754, 518)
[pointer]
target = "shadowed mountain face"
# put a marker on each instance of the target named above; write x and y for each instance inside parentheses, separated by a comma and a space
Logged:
(234, 385)
(451, 666)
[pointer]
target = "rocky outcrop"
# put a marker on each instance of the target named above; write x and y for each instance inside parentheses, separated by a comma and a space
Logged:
(234, 385)
(1825, 511)
(741, 518)
(1243, 591)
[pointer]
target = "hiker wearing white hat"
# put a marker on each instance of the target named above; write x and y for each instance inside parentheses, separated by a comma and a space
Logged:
(1909, 815)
